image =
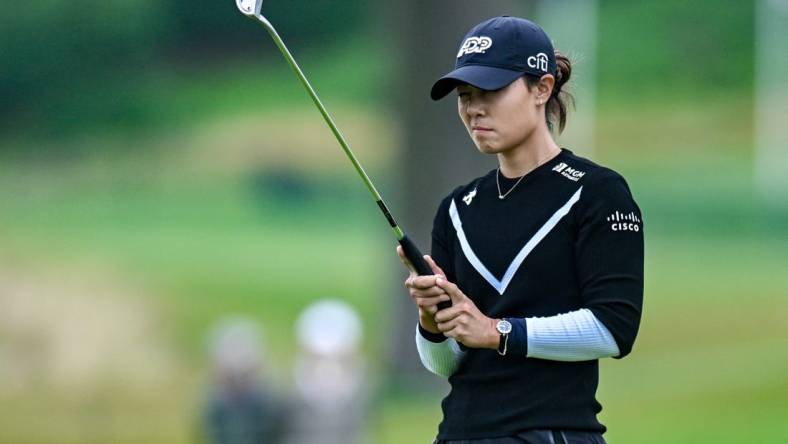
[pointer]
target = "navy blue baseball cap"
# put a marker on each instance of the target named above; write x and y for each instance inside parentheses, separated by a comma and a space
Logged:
(497, 52)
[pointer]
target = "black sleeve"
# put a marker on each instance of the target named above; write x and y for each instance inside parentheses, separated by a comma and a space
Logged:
(609, 256)
(441, 253)
(441, 248)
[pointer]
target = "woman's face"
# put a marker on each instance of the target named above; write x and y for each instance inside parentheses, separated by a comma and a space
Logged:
(500, 120)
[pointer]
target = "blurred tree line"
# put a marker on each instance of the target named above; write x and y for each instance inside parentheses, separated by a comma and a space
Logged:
(53, 53)
(56, 54)
(673, 45)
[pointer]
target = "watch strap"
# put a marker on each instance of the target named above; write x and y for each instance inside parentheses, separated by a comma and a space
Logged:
(503, 341)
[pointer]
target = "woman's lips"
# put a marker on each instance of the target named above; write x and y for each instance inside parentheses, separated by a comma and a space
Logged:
(481, 129)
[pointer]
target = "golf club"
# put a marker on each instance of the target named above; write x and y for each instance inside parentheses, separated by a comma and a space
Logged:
(251, 8)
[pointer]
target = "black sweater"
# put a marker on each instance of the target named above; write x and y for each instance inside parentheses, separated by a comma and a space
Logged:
(570, 236)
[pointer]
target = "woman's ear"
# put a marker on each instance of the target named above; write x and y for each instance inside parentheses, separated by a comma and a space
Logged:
(545, 88)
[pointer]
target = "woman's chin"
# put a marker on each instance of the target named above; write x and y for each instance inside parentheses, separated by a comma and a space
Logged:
(486, 148)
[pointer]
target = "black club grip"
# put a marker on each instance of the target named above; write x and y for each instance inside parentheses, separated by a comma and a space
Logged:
(417, 260)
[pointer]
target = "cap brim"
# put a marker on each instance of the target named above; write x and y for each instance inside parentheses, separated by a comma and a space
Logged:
(482, 77)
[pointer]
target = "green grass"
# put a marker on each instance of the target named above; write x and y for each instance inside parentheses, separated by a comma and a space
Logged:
(213, 248)
(199, 242)
(708, 366)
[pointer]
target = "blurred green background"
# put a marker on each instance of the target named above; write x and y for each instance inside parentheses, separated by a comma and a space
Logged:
(160, 168)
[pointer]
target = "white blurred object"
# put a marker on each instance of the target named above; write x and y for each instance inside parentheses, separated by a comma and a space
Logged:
(329, 328)
(771, 102)
(236, 347)
(331, 394)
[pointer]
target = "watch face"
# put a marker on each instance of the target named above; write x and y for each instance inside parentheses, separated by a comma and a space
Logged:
(504, 327)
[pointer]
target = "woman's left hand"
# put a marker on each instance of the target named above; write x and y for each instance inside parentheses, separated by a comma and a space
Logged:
(464, 322)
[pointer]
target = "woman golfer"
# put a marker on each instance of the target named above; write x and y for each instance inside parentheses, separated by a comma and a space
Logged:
(541, 258)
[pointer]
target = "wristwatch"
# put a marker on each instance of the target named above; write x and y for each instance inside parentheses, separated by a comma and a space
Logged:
(503, 327)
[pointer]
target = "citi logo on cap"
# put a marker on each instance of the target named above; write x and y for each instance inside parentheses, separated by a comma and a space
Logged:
(475, 44)
(521, 47)
(538, 61)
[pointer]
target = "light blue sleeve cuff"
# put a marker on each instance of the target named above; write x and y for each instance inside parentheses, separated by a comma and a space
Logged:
(573, 336)
(441, 358)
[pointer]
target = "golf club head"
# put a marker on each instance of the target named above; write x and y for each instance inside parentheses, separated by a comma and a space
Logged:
(249, 8)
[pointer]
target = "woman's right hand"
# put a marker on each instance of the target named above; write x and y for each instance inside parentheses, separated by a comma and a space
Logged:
(424, 292)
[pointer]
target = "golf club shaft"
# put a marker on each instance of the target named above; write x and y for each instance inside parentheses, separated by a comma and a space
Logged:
(409, 248)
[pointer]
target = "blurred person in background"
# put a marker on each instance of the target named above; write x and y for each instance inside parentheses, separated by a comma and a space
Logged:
(240, 408)
(564, 235)
(331, 391)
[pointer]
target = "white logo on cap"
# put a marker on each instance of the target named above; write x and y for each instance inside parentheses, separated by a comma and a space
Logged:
(475, 44)
(538, 61)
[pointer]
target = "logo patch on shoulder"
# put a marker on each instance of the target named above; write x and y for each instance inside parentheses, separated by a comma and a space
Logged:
(569, 172)
(624, 221)
(469, 197)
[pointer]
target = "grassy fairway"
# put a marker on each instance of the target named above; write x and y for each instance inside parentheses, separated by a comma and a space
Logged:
(195, 240)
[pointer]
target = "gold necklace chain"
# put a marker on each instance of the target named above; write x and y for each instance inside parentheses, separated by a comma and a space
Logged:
(498, 183)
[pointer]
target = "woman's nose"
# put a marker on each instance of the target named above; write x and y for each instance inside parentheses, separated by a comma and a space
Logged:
(475, 107)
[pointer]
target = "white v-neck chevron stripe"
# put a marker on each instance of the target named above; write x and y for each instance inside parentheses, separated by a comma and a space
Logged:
(500, 285)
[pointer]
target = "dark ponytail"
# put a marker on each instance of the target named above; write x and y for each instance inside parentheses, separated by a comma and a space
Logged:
(556, 108)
